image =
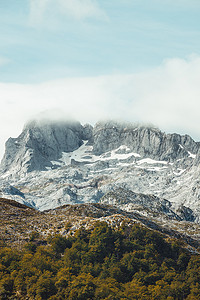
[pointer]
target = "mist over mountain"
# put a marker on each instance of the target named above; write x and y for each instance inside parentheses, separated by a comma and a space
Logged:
(44, 141)
(52, 163)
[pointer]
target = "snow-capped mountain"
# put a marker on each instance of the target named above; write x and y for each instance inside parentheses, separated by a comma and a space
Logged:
(56, 163)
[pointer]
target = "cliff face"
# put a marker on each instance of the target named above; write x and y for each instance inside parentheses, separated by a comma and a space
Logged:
(147, 141)
(39, 144)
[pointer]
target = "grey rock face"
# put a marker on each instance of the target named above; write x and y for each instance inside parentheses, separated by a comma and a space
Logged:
(42, 142)
(148, 142)
(88, 133)
(197, 158)
(39, 144)
(131, 201)
(185, 213)
(149, 165)
(6, 189)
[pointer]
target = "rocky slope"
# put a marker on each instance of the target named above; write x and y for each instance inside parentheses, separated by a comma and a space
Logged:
(55, 163)
(19, 222)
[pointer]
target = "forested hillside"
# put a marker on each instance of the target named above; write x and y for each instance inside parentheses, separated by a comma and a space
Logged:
(128, 262)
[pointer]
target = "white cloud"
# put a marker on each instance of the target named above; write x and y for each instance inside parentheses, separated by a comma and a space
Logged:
(76, 9)
(167, 96)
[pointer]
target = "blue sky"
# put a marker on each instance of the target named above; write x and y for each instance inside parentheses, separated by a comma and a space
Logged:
(128, 59)
(45, 42)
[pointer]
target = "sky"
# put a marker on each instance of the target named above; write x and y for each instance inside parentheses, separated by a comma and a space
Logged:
(134, 60)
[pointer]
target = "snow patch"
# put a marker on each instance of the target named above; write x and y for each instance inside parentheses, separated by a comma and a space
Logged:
(191, 154)
(151, 161)
(181, 171)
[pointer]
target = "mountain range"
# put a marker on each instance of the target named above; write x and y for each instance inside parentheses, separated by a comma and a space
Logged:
(129, 166)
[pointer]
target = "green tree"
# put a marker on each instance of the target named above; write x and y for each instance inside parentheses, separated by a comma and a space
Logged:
(45, 286)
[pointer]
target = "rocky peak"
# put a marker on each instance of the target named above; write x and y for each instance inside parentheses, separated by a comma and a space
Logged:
(88, 133)
(40, 143)
(144, 140)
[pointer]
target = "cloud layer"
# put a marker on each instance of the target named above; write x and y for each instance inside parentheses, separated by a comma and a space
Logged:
(167, 96)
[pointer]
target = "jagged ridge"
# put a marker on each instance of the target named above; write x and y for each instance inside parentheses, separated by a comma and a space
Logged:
(82, 164)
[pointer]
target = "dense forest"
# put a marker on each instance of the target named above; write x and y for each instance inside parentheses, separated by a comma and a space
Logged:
(131, 262)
